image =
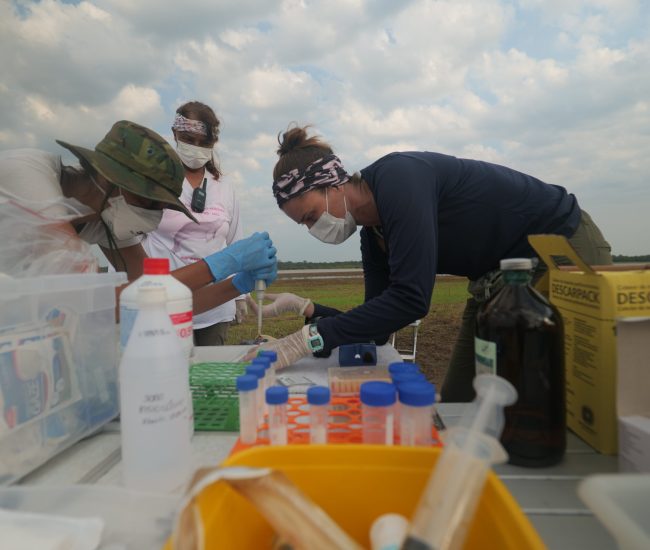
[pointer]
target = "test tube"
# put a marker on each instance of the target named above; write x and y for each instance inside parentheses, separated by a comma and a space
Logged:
(416, 413)
(277, 398)
(266, 363)
(273, 356)
(377, 405)
(247, 388)
(318, 398)
(403, 376)
(258, 371)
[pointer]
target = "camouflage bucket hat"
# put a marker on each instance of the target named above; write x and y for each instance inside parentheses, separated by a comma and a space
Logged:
(138, 160)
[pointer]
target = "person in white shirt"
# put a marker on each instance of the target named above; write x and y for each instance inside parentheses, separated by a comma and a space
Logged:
(211, 198)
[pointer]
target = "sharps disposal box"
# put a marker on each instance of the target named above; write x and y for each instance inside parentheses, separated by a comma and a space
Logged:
(590, 300)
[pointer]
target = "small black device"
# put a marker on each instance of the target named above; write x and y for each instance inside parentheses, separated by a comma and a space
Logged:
(357, 355)
(198, 197)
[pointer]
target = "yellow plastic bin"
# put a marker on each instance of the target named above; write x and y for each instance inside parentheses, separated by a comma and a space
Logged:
(355, 484)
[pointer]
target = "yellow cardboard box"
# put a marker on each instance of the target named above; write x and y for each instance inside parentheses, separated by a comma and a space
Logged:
(590, 300)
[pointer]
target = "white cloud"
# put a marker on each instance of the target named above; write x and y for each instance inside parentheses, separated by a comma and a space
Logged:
(557, 88)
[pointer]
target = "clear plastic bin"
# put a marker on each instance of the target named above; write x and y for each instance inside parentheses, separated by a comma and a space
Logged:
(133, 520)
(622, 503)
(58, 365)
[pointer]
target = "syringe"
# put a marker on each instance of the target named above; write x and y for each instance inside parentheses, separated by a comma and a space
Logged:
(260, 287)
(446, 509)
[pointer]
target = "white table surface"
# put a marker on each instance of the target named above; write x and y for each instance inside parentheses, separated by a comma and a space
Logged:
(547, 495)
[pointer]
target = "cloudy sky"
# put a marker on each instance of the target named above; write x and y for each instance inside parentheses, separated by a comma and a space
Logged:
(559, 89)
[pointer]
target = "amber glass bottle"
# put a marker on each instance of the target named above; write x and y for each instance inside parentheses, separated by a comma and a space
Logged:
(519, 336)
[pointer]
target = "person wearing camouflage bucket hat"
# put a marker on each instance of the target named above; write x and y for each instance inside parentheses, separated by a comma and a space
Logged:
(137, 159)
(119, 192)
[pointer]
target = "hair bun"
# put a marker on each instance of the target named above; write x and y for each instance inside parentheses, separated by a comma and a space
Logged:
(294, 138)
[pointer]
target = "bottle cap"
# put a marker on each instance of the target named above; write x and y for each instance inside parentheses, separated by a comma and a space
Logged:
(246, 382)
(318, 395)
(266, 361)
(256, 370)
(516, 264)
(155, 266)
(406, 377)
(276, 395)
(272, 354)
(378, 394)
(402, 367)
(151, 294)
(417, 394)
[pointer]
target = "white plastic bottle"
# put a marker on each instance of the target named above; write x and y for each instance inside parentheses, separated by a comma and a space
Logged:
(154, 400)
(179, 302)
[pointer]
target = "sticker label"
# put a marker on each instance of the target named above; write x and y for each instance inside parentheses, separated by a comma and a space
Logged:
(485, 354)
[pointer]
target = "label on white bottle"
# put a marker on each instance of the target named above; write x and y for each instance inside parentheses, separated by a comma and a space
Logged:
(181, 321)
(156, 401)
(156, 436)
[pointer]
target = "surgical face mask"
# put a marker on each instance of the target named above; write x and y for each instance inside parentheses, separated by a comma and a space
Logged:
(192, 156)
(126, 221)
(332, 230)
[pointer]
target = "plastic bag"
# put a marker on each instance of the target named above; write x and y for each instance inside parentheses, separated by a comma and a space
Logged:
(33, 244)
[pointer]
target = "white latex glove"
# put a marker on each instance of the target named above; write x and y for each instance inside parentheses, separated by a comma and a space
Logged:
(280, 303)
(241, 310)
(289, 349)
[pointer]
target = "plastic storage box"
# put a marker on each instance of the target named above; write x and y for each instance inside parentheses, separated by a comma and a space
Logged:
(622, 503)
(355, 484)
(133, 520)
(58, 365)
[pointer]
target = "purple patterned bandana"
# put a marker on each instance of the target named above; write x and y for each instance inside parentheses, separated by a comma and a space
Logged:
(324, 172)
(182, 124)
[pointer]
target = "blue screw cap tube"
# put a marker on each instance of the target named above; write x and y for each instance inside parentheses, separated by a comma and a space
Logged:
(416, 413)
(259, 371)
(277, 398)
(396, 367)
(377, 412)
(318, 398)
(268, 373)
(247, 388)
(273, 356)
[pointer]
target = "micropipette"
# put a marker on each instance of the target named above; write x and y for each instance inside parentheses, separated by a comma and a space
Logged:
(260, 287)
(446, 509)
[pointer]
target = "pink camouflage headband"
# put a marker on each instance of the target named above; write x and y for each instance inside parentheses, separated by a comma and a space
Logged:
(183, 124)
(324, 172)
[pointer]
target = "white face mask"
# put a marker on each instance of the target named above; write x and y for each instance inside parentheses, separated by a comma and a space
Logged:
(126, 221)
(192, 156)
(332, 230)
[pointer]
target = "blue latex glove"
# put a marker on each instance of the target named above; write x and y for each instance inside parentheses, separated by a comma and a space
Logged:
(245, 281)
(253, 253)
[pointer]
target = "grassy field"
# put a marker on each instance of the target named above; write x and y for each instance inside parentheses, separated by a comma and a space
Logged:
(437, 331)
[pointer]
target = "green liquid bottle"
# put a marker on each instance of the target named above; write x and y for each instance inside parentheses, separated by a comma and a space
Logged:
(519, 336)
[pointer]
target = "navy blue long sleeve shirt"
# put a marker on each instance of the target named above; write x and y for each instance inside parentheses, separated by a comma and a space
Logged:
(441, 214)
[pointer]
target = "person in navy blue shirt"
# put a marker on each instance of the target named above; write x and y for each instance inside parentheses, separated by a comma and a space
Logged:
(422, 213)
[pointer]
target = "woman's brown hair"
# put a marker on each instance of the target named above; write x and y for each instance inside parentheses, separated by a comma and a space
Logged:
(298, 150)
